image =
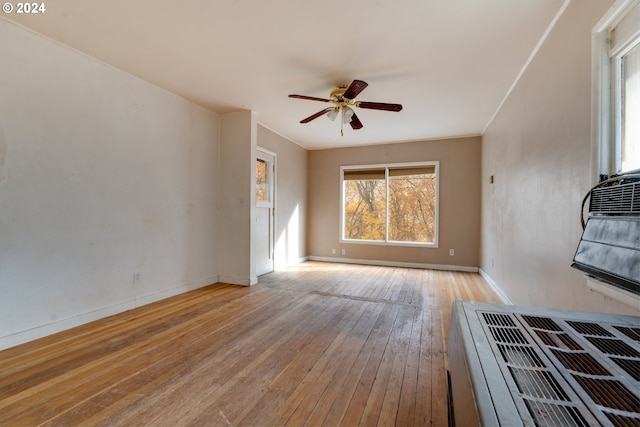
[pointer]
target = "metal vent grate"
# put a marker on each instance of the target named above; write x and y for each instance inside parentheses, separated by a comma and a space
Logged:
(630, 366)
(542, 323)
(622, 421)
(498, 319)
(558, 340)
(550, 415)
(610, 393)
(614, 347)
(552, 361)
(508, 335)
(538, 383)
(580, 362)
(617, 199)
(520, 355)
(633, 333)
(585, 328)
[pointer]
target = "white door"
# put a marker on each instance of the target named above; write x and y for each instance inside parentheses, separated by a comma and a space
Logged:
(265, 173)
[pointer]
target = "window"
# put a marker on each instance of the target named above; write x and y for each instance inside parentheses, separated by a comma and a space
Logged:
(390, 204)
(262, 188)
(616, 57)
(630, 109)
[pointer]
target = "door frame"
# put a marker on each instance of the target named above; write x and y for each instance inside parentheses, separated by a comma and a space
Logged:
(271, 173)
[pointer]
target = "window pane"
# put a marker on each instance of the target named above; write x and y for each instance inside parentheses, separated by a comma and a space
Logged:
(262, 189)
(630, 152)
(364, 209)
(412, 207)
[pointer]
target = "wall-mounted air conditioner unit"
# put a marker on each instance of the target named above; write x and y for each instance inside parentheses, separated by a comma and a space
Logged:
(610, 245)
(515, 366)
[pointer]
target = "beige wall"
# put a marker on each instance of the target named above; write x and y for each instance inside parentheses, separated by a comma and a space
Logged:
(291, 197)
(459, 202)
(538, 148)
(101, 175)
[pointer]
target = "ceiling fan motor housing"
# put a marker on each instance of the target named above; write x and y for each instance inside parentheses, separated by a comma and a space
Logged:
(338, 93)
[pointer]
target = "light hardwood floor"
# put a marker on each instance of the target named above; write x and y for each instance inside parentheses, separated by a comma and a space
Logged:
(317, 344)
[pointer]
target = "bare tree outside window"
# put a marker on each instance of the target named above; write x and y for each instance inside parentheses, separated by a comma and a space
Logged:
(412, 208)
(390, 204)
(365, 209)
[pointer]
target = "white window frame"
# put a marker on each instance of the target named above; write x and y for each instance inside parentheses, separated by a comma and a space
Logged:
(606, 71)
(435, 164)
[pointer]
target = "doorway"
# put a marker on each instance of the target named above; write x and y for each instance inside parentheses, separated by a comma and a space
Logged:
(265, 210)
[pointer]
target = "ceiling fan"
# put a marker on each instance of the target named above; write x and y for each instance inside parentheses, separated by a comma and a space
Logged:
(343, 100)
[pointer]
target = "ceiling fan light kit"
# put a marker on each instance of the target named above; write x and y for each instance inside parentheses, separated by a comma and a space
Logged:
(343, 99)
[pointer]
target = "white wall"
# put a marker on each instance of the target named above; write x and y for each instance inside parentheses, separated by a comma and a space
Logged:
(291, 197)
(538, 150)
(238, 138)
(101, 175)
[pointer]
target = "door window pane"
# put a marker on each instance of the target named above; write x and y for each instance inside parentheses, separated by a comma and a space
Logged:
(262, 187)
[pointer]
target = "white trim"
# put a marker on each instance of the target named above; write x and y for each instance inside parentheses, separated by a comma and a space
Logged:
(84, 318)
(532, 55)
(613, 15)
(396, 264)
(503, 296)
(237, 280)
(270, 158)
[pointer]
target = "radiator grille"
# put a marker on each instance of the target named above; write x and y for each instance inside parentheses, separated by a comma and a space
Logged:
(633, 333)
(617, 199)
(568, 372)
(556, 415)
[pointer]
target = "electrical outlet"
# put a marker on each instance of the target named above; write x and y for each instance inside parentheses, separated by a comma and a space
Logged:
(452, 252)
(136, 278)
(343, 251)
(333, 251)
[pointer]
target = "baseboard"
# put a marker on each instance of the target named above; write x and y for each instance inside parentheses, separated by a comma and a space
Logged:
(397, 264)
(83, 318)
(503, 296)
(237, 280)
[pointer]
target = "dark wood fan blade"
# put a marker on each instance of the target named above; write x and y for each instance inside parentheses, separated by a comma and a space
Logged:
(355, 122)
(354, 89)
(316, 115)
(379, 106)
(310, 98)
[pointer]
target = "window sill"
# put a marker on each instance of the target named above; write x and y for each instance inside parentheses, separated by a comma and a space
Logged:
(613, 292)
(390, 243)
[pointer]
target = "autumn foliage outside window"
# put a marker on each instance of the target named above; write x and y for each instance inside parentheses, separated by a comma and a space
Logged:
(391, 204)
(261, 181)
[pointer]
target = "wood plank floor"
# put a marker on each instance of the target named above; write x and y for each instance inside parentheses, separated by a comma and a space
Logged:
(317, 344)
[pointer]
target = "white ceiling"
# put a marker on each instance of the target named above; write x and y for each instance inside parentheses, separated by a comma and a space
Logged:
(450, 63)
